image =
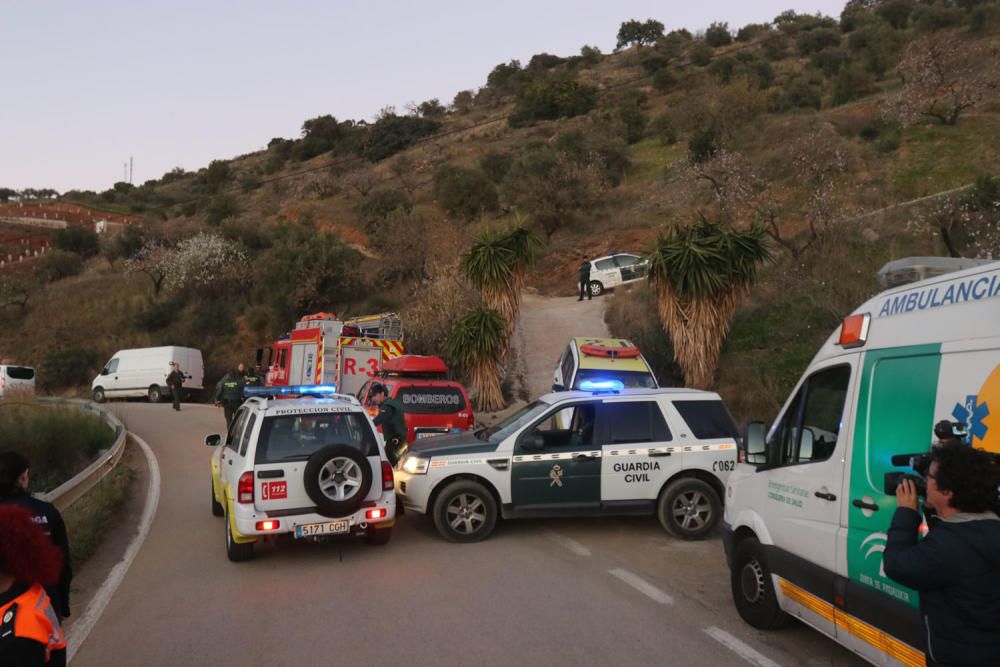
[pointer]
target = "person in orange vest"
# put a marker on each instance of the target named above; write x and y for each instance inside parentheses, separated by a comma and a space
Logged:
(30, 633)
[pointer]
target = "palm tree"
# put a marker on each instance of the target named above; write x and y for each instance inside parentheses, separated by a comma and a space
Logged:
(475, 345)
(701, 273)
(496, 265)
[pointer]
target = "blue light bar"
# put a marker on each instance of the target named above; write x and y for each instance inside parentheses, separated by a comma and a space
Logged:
(293, 390)
(602, 385)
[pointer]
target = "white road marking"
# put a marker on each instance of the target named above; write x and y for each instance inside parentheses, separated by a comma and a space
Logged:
(570, 545)
(740, 648)
(82, 627)
(641, 585)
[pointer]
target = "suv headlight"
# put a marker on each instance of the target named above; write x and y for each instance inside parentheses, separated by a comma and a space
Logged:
(415, 465)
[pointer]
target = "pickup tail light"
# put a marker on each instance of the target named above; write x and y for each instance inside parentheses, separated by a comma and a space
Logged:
(388, 480)
(244, 489)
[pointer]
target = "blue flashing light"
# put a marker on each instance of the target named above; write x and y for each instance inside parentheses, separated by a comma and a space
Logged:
(602, 385)
(293, 390)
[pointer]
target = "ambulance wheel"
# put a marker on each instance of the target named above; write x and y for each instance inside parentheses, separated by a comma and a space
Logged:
(337, 478)
(689, 508)
(217, 509)
(98, 394)
(465, 511)
(155, 394)
(234, 550)
(753, 590)
(378, 537)
(596, 288)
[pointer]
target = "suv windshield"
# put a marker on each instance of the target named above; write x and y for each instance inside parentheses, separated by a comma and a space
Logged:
(631, 379)
(297, 437)
(504, 428)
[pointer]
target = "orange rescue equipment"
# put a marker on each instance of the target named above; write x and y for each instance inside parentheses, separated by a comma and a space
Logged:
(610, 352)
(415, 364)
(33, 617)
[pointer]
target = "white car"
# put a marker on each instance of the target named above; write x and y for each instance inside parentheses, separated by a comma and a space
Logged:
(305, 467)
(626, 451)
(613, 270)
(16, 379)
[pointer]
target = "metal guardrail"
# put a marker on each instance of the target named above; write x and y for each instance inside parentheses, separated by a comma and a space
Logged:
(73, 489)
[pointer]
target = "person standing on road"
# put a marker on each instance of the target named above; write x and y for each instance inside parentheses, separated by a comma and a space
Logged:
(14, 476)
(585, 278)
(175, 380)
(252, 378)
(956, 567)
(393, 422)
(30, 632)
(229, 393)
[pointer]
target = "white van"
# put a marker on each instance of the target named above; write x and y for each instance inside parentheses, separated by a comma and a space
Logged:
(16, 379)
(806, 511)
(143, 372)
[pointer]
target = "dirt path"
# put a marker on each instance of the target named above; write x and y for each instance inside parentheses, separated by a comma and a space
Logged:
(545, 326)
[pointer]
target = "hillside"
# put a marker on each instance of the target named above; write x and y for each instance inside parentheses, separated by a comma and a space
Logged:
(819, 129)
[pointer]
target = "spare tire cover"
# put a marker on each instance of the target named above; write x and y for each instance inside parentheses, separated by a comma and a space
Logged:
(337, 479)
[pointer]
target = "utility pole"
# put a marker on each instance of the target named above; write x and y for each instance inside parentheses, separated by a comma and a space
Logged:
(130, 171)
(125, 170)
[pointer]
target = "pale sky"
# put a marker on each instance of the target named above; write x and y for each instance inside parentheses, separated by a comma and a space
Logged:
(87, 84)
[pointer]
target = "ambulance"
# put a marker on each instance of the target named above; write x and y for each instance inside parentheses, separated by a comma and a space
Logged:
(322, 349)
(806, 513)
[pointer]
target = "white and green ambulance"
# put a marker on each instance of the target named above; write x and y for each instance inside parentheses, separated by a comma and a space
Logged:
(806, 514)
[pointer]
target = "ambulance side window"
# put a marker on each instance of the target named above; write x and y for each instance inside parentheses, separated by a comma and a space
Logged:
(809, 429)
(634, 421)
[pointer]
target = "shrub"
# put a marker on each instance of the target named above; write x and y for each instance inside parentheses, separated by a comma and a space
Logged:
(895, 12)
(748, 32)
(775, 46)
(431, 109)
(704, 143)
(664, 80)
(929, 18)
(495, 165)
(590, 55)
(466, 193)
(548, 99)
(984, 18)
(700, 54)
(722, 69)
(217, 175)
(78, 239)
(852, 83)
(377, 206)
(505, 77)
(829, 60)
(68, 367)
(58, 264)
(156, 315)
(876, 46)
(802, 92)
(762, 74)
(463, 101)
(544, 61)
(652, 62)
(718, 35)
(597, 149)
(221, 208)
(662, 128)
(814, 41)
(632, 313)
(392, 134)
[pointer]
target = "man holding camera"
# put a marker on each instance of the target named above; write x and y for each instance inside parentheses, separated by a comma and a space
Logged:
(956, 567)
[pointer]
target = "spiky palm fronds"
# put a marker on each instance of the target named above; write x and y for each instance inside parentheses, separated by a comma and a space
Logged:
(475, 344)
(701, 273)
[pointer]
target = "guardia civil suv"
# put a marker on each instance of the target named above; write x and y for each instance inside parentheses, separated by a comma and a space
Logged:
(666, 452)
(308, 468)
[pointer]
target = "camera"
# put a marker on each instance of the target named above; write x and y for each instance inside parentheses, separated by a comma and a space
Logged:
(920, 463)
(893, 479)
(946, 430)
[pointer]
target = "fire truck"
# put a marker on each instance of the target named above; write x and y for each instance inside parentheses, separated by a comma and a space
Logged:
(323, 349)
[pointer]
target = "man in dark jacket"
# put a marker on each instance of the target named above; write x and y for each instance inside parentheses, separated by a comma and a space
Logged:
(229, 394)
(956, 567)
(393, 422)
(585, 278)
(175, 380)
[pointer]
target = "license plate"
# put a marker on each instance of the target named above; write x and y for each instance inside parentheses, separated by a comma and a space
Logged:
(429, 434)
(328, 528)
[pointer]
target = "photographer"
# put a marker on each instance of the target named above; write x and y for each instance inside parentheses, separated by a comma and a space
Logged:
(956, 567)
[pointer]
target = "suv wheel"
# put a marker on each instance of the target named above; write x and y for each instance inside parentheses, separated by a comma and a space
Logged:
(154, 394)
(337, 479)
(465, 511)
(689, 508)
(235, 551)
(217, 509)
(596, 288)
(378, 536)
(753, 590)
(98, 394)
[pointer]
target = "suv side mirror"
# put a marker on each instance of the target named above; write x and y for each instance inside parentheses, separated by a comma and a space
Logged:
(105, 371)
(213, 440)
(755, 443)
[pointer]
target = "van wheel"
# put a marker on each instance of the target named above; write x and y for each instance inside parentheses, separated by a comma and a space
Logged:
(689, 508)
(753, 590)
(217, 509)
(235, 551)
(154, 394)
(378, 536)
(596, 288)
(465, 512)
(98, 394)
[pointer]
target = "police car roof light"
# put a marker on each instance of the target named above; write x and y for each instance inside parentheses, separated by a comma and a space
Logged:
(293, 390)
(602, 385)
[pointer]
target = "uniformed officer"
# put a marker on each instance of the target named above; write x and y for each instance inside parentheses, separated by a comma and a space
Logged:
(585, 278)
(229, 393)
(14, 478)
(175, 380)
(30, 633)
(254, 378)
(393, 422)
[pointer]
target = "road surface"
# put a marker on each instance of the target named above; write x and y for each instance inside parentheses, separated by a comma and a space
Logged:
(567, 592)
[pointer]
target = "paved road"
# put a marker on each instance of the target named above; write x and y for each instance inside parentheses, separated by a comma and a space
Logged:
(587, 592)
